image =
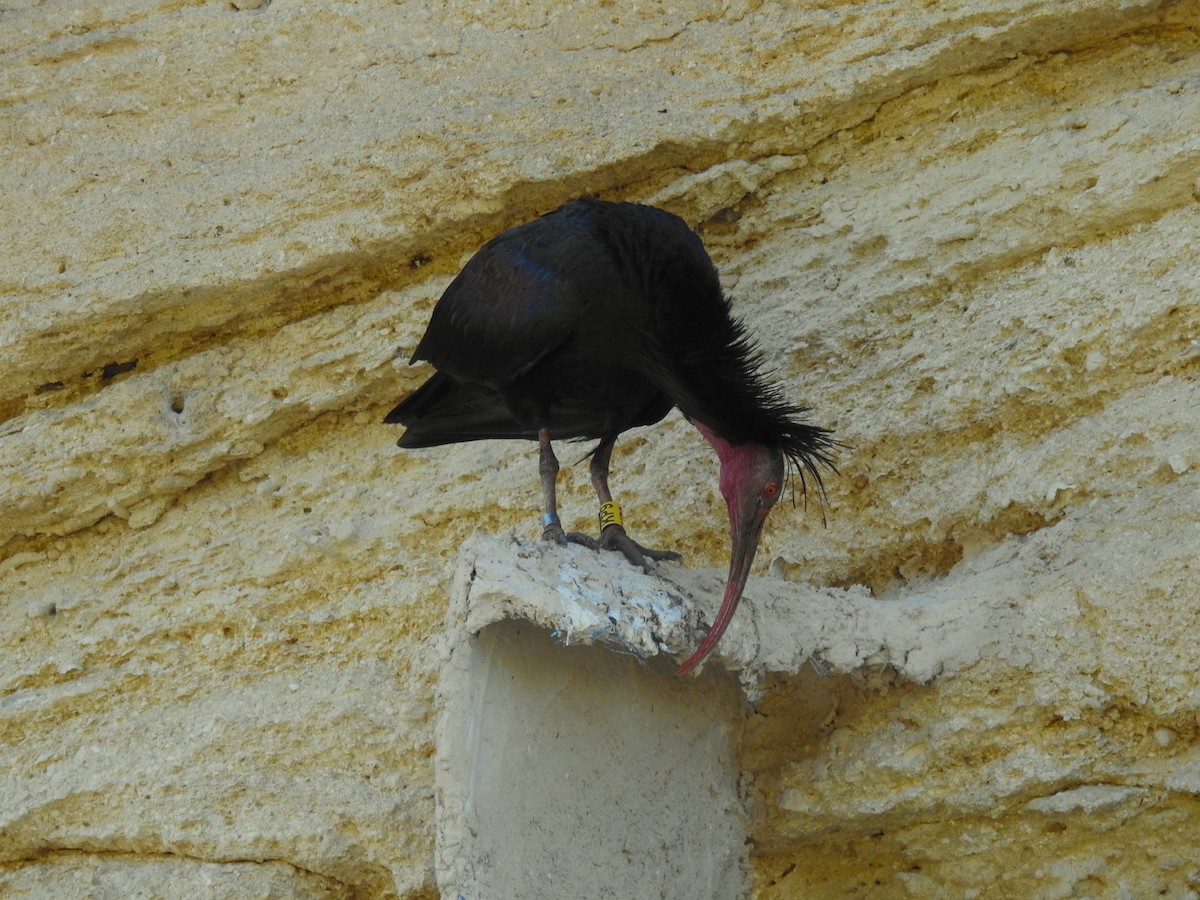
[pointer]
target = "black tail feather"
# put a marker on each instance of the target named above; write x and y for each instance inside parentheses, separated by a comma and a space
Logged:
(446, 411)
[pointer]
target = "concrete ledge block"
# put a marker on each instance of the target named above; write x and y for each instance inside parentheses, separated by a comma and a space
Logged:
(569, 754)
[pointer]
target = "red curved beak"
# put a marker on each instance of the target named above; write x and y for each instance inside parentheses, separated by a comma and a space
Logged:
(751, 479)
(745, 529)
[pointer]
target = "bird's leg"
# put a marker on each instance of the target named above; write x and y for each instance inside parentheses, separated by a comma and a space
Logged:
(548, 469)
(612, 528)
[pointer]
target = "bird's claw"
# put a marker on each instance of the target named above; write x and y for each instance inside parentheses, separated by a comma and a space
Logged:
(586, 540)
(613, 537)
(554, 534)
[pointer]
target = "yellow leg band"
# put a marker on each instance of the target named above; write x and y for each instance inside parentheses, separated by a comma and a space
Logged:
(610, 514)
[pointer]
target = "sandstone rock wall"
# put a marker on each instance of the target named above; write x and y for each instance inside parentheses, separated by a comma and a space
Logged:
(965, 233)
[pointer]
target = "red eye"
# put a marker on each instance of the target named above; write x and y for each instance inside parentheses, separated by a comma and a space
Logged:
(770, 490)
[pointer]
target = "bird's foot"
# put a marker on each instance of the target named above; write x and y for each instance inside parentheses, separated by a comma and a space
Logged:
(613, 537)
(553, 533)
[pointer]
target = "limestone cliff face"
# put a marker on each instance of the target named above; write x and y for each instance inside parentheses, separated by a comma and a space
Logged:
(965, 234)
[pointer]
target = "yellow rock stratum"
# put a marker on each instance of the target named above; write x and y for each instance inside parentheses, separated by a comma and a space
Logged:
(964, 233)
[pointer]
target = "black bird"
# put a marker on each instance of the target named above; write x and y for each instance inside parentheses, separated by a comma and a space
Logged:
(591, 320)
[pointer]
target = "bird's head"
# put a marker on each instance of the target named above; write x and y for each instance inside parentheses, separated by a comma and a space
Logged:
(752, 478)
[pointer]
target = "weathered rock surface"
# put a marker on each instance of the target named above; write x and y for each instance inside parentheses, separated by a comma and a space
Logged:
(965, 234)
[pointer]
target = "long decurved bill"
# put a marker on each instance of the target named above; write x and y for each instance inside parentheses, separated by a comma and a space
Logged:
(745, 544)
